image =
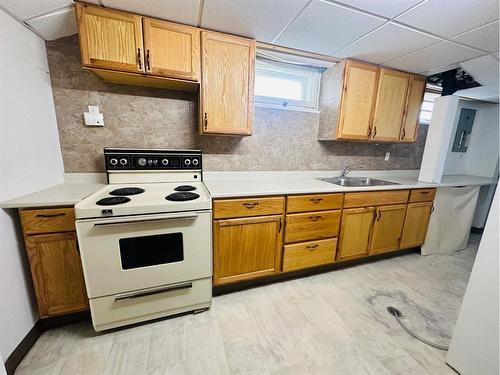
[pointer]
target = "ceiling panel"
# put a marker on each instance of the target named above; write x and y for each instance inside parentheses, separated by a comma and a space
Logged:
(324, 27)
(484, 37)
(434, 56)
(182, 11)
(55, 25)
(24, 9)
(259, 19)
(386, 8)
(484, 69)
(386, 43)
(451, 17)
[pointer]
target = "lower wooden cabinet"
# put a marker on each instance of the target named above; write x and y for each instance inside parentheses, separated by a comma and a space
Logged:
(416, 222)
(309, 254)
(387, 228)
(355, 232)
(247, 248)
(57, 273)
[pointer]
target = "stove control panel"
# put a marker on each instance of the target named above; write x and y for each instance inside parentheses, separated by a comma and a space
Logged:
(138, 159)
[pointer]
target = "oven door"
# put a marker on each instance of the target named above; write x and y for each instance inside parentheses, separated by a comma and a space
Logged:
(129, 253)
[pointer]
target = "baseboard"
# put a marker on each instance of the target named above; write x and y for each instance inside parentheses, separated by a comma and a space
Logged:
(34, 334)
(476, 230)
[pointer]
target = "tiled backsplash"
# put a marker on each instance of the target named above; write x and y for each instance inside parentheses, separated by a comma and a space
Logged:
(145, 117)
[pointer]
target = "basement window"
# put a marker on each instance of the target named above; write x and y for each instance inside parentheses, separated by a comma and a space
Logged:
(286, 86)
(431, 93)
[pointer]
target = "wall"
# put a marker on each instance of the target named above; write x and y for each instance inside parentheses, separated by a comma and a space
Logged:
(30, 160)
(474, 345)
(143, 117)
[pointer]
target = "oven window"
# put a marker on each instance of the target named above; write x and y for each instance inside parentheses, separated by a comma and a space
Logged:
(146, 251)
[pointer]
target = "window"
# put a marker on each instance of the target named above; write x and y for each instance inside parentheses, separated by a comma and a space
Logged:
(286, 86)
(428, 105)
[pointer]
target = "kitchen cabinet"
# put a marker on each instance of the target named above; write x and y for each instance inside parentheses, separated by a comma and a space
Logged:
(247, 248)
(415, 226)
(355, 232)
(387, 228)
(226, 94)
(312, 225)
(389, 105)
(414, 99)
(309, 254)
(54, 259)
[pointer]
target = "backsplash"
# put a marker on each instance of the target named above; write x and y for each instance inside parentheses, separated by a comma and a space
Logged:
(146, 117)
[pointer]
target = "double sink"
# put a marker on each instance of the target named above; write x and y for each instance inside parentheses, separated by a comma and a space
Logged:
(356, 181)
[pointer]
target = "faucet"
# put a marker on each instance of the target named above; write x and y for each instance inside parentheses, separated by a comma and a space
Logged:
(345, 171)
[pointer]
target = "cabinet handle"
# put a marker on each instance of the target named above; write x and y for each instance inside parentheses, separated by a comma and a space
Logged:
(281, 226)
(250, 205)
(314, 218)
(139, 57)
(404, 134)
(312, 246)
(432, 209)
(374, 215)
(51, 215)
(374, 131)
(206, 120)
(316, 200)
(369, 131)
(424, 192)
(147, 60)
(379, 215)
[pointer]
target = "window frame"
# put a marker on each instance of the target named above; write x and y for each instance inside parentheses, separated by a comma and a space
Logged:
(429, 89)
(308, 76)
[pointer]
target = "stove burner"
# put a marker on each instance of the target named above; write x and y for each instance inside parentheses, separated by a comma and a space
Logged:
(111, 201)
(127, 191)
(184, 196)
(185, 188)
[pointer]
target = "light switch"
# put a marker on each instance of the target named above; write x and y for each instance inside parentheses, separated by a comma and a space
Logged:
(93, 117)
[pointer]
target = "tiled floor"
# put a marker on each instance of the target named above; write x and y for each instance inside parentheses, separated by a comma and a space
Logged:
(332, 323)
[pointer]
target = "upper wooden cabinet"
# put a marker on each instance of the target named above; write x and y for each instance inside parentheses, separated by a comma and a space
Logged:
(172, 50)
(228, 70)
(110, 39)
(363, 102)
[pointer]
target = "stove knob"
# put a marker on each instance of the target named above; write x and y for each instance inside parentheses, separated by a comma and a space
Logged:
(113, 161)
(155, 162)
(187, 162)
(195, 162)
(150, 161)
(123, 161)
(141, 162)
(164, 161)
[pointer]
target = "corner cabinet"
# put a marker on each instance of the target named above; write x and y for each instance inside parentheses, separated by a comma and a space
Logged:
(226, 94)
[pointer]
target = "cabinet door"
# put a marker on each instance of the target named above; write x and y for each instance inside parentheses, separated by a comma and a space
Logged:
(390, 105)
(358, 99)
(387, 228)
(172, 50)
(416, 222)
(355, 232)
(416, 91)
(110, 39)
(227, 84)
(57, 273)
(247, 248)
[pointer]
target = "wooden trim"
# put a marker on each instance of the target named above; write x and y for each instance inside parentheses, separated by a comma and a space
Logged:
(296, 52)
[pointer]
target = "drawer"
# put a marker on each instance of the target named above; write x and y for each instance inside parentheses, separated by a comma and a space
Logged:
(422, 195)
(376, 198)
(309, 254)
(50, 220)
(228, 208)
(314, 202)
(312, 226)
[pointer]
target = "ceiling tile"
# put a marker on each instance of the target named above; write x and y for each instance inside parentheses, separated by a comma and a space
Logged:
(182, 11)
(386, 43)
(451, 17)
(24, 9)
(55, 25)
(324, 27)
(386, 8)
(434, 56)
(259, 19)
(484, 69)
(484, 37)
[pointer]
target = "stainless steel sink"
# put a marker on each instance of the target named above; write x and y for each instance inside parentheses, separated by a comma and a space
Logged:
(356, 181)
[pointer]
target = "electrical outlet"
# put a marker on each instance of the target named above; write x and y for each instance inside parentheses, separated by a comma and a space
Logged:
(93, 117)
(387, 156)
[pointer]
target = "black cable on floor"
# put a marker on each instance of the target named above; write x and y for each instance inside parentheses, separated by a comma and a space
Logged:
(397, 314)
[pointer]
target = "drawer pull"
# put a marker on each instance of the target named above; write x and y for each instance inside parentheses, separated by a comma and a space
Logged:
(379, 215)
(314, 218)
(316, 200)
(250, 205)
(312, 246)
(424, 192)
(51, 215)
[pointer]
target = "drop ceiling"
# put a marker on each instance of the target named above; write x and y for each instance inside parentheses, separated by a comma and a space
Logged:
(421, 36)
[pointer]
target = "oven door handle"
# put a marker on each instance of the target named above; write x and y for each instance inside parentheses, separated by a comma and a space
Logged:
(153, 291)
(109, 223)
